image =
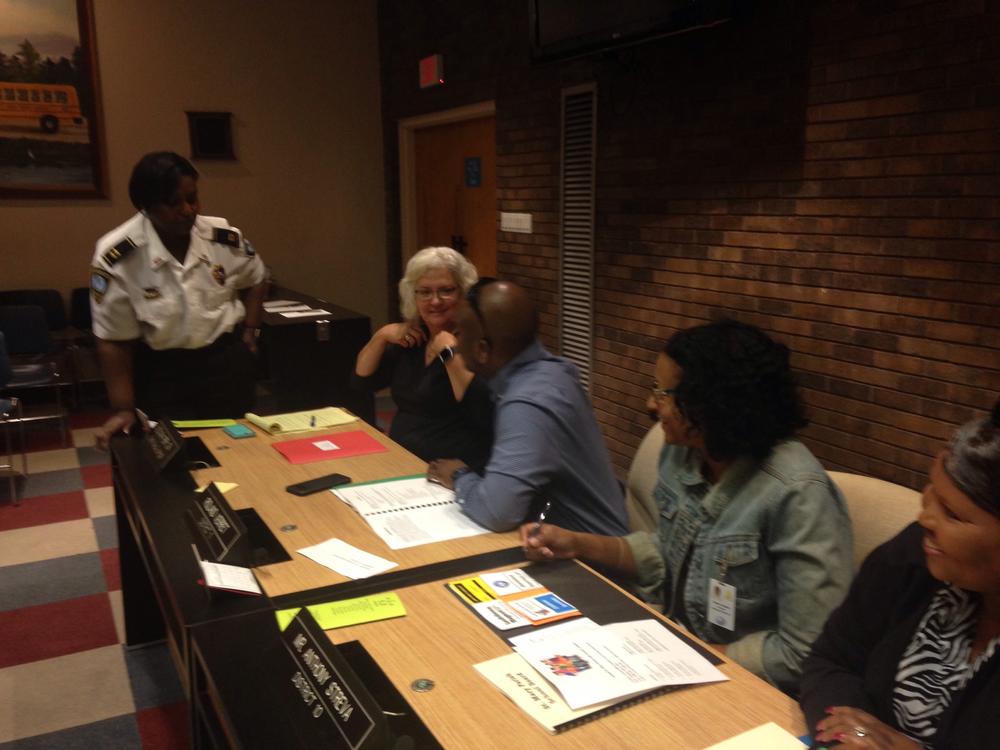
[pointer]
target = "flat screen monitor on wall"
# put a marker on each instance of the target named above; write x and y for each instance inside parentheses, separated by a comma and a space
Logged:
(570, 28)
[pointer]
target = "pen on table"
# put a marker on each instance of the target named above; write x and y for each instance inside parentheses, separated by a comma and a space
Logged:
(312, 421)
(541, 518)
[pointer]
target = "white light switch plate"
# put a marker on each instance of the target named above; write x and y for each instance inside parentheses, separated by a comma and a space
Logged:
(510, 222)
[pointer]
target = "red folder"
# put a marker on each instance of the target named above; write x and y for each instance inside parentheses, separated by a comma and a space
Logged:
(318, 448)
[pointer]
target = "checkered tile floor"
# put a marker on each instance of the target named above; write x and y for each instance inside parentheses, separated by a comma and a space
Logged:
(66, 679)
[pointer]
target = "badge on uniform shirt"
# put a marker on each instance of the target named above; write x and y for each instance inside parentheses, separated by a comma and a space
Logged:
(151, 292)
(219, 274)
(100, 280)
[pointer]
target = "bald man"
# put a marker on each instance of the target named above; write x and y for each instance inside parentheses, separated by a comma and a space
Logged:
(548, 453)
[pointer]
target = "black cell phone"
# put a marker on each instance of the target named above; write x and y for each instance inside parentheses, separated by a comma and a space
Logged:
(316, 485)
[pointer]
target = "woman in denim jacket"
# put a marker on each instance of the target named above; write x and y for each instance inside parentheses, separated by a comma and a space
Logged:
(753, 548)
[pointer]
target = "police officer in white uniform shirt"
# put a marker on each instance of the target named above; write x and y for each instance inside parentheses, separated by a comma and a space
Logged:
(166, 289)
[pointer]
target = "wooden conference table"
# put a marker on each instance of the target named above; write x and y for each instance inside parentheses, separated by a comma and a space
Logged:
(160, 573)
(439, 639)
(216, 639)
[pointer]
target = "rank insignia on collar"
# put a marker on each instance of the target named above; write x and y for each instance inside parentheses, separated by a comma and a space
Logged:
(151, 292)
(219, 274)
(100, 280)
(119, 251)
(226, 236)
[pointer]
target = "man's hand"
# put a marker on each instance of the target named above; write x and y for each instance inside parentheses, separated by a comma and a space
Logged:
(442, 470)
(120, 421)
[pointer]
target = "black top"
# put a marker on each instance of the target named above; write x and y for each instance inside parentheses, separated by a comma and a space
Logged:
(430, 422)
(855, 659)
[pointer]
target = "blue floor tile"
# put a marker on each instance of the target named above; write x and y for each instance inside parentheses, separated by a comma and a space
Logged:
(90, 456)
(119, 733)
(54, 580)
(153, 676)
(106, 531)
(53, 482)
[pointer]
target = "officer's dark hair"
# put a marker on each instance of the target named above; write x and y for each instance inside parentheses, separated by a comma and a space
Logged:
(156, 177)
(736, 387)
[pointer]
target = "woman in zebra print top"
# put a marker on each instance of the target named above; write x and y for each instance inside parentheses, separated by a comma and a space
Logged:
(910, 660)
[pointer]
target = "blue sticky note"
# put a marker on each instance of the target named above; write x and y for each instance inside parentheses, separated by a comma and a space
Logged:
(238, 431)
(556, 604)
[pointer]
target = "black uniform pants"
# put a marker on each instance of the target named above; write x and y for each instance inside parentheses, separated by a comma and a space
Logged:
(213, 382)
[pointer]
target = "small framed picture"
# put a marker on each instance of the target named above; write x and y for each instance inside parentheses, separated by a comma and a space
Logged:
(211, 135)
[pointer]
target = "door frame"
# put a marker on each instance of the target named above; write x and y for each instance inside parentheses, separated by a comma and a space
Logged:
(407, 165)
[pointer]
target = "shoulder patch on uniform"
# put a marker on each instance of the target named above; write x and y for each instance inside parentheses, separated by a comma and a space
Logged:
(119, 251)
(100, 280)
(226, 236)
(248, 248)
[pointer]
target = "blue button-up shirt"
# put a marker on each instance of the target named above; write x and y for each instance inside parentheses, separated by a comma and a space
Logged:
(547, 447)
(778, 531)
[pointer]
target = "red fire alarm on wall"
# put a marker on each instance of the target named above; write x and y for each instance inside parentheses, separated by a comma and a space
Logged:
(431, 71)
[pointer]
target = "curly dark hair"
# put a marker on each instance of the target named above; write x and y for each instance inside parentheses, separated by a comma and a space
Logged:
(736, 387)
(156, 176)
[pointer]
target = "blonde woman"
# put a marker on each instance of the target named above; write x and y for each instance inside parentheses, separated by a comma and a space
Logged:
(442, 409)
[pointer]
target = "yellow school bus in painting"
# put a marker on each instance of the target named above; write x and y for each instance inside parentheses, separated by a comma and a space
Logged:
(49, 105)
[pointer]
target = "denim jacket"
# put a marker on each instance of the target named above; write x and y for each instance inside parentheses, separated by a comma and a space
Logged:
(778, 531)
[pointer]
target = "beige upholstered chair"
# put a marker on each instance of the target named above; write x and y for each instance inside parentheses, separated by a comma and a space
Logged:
(879, 510)
(643, 514)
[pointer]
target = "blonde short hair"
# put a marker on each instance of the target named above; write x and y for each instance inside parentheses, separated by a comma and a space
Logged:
(431, 259)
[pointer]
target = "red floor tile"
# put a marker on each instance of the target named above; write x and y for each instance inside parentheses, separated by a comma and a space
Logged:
(46, 440)
(164, 727)
(79, 420)
(50, 630)
(98, 475)
(112, 571)
(35, 511)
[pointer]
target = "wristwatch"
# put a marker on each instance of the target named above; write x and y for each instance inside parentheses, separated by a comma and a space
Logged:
(446, 354)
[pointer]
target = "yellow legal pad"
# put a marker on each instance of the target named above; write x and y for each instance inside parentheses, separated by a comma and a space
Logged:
(346, 612)
(199, 424)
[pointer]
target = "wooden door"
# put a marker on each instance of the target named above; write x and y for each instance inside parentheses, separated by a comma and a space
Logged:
(456, 187)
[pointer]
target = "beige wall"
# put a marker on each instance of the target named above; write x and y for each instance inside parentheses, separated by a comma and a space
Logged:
(301, 79)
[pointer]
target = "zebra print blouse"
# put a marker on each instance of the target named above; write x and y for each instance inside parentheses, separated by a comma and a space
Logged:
(935, 666)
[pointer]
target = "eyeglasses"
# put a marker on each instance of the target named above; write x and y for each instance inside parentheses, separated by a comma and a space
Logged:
(660, 394)
(445, 293)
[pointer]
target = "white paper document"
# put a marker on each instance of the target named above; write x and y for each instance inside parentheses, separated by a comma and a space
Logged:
(410, 511)
(339, 556)
(303, 313)
(229, 577)
(271, 304)
(768, 735)
(591, 666)
(291, 307)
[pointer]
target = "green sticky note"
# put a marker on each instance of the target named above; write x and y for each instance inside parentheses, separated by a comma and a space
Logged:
(285, 616)
(200, 424)
(346, 612)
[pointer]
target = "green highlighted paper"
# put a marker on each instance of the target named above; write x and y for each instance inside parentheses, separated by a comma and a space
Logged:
(201, 424)
(346, 612)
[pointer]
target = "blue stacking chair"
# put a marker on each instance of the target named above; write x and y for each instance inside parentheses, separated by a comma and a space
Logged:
(33, 363)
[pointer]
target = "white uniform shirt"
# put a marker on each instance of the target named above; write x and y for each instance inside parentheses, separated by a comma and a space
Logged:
(145, 293)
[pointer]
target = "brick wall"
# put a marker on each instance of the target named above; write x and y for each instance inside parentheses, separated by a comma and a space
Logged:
(827, 171)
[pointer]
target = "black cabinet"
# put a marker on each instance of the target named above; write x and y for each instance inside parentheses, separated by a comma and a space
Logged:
(309, 360)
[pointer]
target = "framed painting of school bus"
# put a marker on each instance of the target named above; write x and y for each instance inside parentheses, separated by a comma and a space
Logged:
(51, 142)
